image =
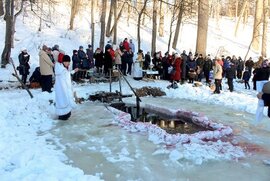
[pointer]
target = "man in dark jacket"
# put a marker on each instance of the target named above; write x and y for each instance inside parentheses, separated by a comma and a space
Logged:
(184, 67)
(200, 63)
(90, 55)
(24, 65)
(207, 67)
(249, 64)
(240, 68)
(230, 75)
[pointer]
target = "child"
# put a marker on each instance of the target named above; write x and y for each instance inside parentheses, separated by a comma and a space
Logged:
(246, 77)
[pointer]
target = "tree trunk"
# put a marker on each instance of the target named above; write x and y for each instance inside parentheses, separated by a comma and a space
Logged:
(161, 21)
(240, 16)
(129, 12)
(118, 17)
(202, 29)
(265, 25)
(257, 25)
(2, 12)
(115, 21)
(93, 23)
(109, 22)
(171, 26)
(246, 13)
(102, 26)
(139, 24)
(154, 27)
(178, 25)
(40, 18)
(9, 7)
(72, 14)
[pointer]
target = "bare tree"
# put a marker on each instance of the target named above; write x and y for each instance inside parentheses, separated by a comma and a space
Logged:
(171, 26)
(75, 4)
(102, 26)
(118, 17)
(115, 20)
(202, 29)
(240, 16)
(129, 12)
(139, 24)
(161, 20)
(40, 18)
(109, 22)
(10, 18)
(179, 21)
(2, 12)
(257, 25)
(93, 23)
(154, 27)
(265, 25)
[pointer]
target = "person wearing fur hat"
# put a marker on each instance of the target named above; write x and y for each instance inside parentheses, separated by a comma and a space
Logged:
(24, 65)
(63, 89)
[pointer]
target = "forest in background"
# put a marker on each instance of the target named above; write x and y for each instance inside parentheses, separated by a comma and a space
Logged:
(106, 14)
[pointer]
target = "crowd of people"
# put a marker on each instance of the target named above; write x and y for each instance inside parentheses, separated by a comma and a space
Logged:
(176, 68)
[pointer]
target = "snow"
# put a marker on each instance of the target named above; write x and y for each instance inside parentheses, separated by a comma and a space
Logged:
(29, 151)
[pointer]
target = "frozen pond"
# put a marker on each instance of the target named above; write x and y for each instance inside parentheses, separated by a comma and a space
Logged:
(96, 146)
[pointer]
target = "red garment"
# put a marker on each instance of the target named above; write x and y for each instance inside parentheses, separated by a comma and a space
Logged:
(126, 45)
(112, 53)
(177, 65)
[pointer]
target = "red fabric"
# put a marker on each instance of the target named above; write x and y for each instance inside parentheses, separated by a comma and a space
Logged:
(60, 57)
(126, 45)
(112, 53)
(177, 65)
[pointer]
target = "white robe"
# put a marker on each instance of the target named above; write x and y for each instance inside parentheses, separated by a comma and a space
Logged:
(63, 90)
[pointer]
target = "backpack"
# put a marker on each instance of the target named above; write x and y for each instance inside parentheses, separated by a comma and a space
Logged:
(60, 57)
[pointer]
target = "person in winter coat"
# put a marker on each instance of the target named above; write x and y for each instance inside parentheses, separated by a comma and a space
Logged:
(176, 74)
(131, 46)
(46, 69)
(166, 64)
(108, 62)
(140, 58)
(157, 61)
(90, 55)
(55, 53)
(24, 66)
(99, 60)
(200, 63)
(63, 89)
(207, 67)
(230, 75)
(76, 64)
(130, 61)
(147, 61)
(124, 60)
(184, 67)
(126, 44)
(118, 55)
(246, 77)
(191, 68)
(262, 77)
(249, 64)
(217, 70)
(85, 64)
(240, 68)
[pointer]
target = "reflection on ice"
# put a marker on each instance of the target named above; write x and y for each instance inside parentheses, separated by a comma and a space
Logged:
(98, 146)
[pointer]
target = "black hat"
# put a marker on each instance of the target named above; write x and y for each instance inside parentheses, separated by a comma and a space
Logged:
(66, 58)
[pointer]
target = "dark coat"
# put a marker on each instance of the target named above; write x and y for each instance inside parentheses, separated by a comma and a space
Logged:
(36, 76)
(24, 65)
(108, 62)
(246, 75)
(85, 62)
(147, 61)
(184, 66)
(76, 62)
(266, 99)
(99, 59)
(208, 65)
(249, 64)
(177, 67)
(230, 72)
(262, 74)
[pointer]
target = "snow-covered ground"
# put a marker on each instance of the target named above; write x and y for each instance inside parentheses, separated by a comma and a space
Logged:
(36, 146)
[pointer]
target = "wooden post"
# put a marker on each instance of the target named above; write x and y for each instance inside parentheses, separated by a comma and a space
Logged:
(119, 76)
(17, 76)
(110, 72)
